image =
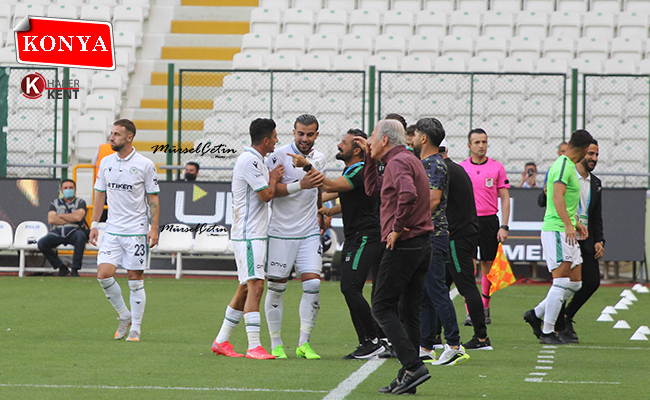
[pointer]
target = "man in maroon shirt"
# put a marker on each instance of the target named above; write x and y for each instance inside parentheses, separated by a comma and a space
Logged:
(405, 226)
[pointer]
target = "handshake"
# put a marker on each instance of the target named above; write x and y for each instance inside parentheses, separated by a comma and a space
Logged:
(312, 178)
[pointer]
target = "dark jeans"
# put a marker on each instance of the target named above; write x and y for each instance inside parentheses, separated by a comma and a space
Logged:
(49, 242)
(436, 302)
(460, 270)
(590, 280)
(401, 277)
(359, 254)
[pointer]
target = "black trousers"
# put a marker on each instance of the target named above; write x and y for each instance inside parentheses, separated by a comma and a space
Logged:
(360, 253)
(49, 242)
(401, 277)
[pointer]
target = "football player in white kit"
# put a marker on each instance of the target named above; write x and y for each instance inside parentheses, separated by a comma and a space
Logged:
(294, 235)
(252, 188)
(128, 180)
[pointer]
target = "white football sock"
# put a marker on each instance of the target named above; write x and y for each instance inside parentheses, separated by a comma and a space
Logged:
(539, 309)
(554, 303)
(229, 324)
(273, 311)
(309, 306)
(113, 293)
(138, 300)
(572, 288)
(252, 321)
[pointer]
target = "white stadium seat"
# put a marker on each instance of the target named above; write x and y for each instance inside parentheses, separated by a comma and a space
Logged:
(539, 5)
(384, 63)
(423, 46)
(398, 22)
(350, 62)
(450, 64)
(628, 48)
(637, 5)
(290, 44)
(26, 238)
(314, 62)
(598, 24)
(457, 46)
(68, 11)
(593, 48)
(518, 64)
(446, 6)
(365, 22)
(498, 23)
(298, 21)
(431, 23)
(175, 238)
(379, 5)
(281, 62)
(332, 22)
(522, 46)
(620, 66)
(95, 12)
(412, 6)
(416, 63)
(390, 45)
(491, 46)
(247, 61)
(359, 45)
(559, 47)
(324, 44)
(632, 24)
(513, 6)
(465, 23)
(565, 23)
(587, 66)
(257, 43)
(129, 19)
(552, 65)
(265, 20)
(579, 6)
(483, 64)
(472, 5)
(613, 6)
(532, 24)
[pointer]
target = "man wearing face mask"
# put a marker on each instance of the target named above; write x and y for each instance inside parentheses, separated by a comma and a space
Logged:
(191, 171)
(67, 219)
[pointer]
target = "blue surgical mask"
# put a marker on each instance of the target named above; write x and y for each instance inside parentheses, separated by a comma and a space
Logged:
(68, 193)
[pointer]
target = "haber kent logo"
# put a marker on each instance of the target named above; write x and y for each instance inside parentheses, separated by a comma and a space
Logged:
(34, 85)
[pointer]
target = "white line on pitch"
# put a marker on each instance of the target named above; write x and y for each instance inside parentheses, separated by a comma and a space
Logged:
(545, 361)
(538, 373)
(607, 348)
(226, 389)
(578, 382)
(546, 357)
(547, 351)
(541, 367)
(352, 381)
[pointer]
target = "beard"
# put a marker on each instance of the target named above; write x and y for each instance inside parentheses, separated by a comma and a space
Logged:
(116, 147)
(417, 151)
(343, 156)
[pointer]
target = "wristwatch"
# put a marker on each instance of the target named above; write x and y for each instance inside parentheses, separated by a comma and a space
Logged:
(506, 227)
(307, 168)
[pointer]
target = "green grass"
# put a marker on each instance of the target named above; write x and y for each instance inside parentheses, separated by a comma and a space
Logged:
(58, 331)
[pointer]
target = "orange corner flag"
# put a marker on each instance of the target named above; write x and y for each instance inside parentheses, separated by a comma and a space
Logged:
(500, 273)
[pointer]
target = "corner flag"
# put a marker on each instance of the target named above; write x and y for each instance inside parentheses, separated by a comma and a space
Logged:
(500, 274)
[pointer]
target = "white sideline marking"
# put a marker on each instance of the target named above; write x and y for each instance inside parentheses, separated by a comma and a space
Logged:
(545, 356)
(344, 388)
(538, 373)
(580, 382)
(541, 367)
(163, 388)
(545, 361)
(547, 351)
(607, 348)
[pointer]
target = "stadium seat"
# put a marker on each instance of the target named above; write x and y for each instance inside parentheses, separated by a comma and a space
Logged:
(68, 11)
(356, 44)
(324, 44)
(257, 43)
(126, 41)
(632, 24)
(365, 22)
(547, 86)
(465, 109)
(129, 19)
(445, 84)
(511, 87)
(628, 48)
(483, 64)
(593, 48)
(402, 84)
(491, 46)
(144, 4)
(95, 12)
(108, 82)
(346, 84)
(22, 10)
(296, 105)
(450, 64)
(636, 128)
(402, 105)
(290, 44)
(5, 17)
(265, 20)
(644, 67)
(613, 6)
(27, 236)
(349, 62)
(122, 66)
(465, 23)
(384, 63)
(518, 64)
(217, 126)
(423, 46)
(565, 23)
(472, 5)
(540, 110)
(598, 24)
(332, 22)
(90, 131)
(613, 87)
(412, 6)
(552, 65)
(416, 63)
(211, 242)
(559, 47)
(380, 6)
(102, 105)
(101, 229)
(247, 61)
(334, 108)
(498, 23)
(314, 62)
(579, 6)
(547, 6)
(532, 24)
(498, 130)
(390, 45)
(8, 55)
(637, 5)
(620, 66)
(171, 241)
(398, 23)
(6, 235)
(258, 105)
(109, 3)
(513, 6)
(431, 23)
(458, 47)
(446, 6)
(587, 66)
(636, 109)
(262, 83)
(518, 153)
(299, 21)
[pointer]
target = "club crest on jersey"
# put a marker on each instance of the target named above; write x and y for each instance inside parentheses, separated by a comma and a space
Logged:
(489, 182)
(133, 170)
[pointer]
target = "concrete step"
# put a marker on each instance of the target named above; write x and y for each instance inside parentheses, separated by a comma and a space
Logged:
(198, 53)
(161, 65)
(211, 27)
(200, 93)
(207, 13)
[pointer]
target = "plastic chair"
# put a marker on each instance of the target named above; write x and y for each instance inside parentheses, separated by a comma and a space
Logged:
(28, 233)
(290, 44)
(299, 21)
(498, 23)
(632, 24)
(315, 62)
(365, 22)
(332, 22)
(247, 61)
(587, 66)
(257, 43)
(265, 20)
(416, 63)
(129, 19)
(90, 131)
(390, 45)
(565, 23)
(175, 238)
(323, 44)
(6, 235)
(359, 45)
(457, 46)
(627, 48)
(465, 23)
(397, 22)
(68, 11)
(431, 23)
(598, 24)
(532, 24)
(559, 47)
(216, 242)
(423, 46)
(579, 6)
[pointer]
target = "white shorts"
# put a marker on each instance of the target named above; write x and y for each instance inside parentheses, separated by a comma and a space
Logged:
(556, 250)
(128, 252)
(306, 254)
(250, 256)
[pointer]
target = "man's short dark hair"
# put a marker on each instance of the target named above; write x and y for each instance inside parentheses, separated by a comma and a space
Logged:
(261, 128)
(127, 124)
(530, 164)
(410, 130)
(580, 139)
(594, 141)
(397, 117)
(357, 132)
(306, 119)
(194, 164)
(473, 131)
(432, 128)
(69, 180)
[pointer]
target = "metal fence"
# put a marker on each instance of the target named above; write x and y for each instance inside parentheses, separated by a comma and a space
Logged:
(523, 114)
(615, 110)
(217, 106)
(31, 125)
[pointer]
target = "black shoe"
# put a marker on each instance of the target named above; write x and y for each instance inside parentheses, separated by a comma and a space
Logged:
(535, 323)
(468, 321)
(568, 329)
(476, 344)
(393, 385)
(63, 271)
(550, 338)
(412, 379)
(366, 350)
(567, 338)
(74, 272)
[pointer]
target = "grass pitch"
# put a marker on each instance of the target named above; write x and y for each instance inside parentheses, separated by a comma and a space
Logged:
(56, 343)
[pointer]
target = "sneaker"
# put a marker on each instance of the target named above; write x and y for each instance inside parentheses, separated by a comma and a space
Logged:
(305, 351)
(488, 320)
(63, 271)
(224, 348)
(427, 356)
(366, 350)
(452, 356)
(391, 386)
(134, 336)
(550, 338)
(535, 323)
(567, 338)
(412, 379)
(388, 352)
(74, 272)
(278, 352)
(468, 321)
(259, 353)
(437, 343)
(476, 344)
(122, 328)
(568, 329)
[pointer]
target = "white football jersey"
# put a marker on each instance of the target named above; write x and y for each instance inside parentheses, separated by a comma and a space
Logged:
(249, 176)
(127, 183)
(296, 215)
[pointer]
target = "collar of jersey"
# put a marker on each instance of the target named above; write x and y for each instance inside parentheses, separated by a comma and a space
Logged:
(127, 157)
(295, 150)
(253, 151)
